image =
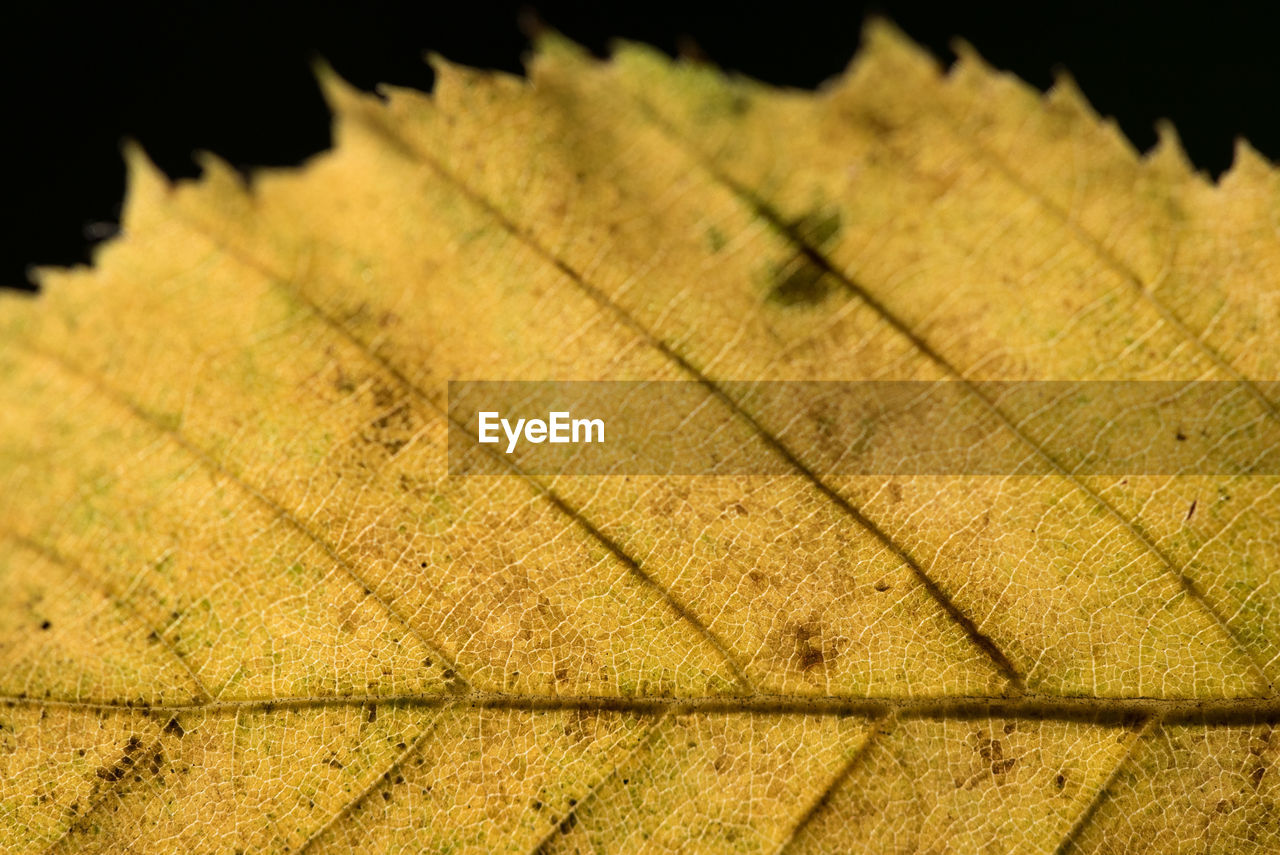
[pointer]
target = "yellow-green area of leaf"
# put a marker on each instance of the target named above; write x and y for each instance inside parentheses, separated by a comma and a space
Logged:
(246, 609)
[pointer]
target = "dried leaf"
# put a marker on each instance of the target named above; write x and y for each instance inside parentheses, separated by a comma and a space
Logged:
(248, 610)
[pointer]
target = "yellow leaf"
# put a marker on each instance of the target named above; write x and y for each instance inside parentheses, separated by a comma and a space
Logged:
(249, 610)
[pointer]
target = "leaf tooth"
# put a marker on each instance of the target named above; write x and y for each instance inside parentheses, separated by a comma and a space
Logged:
(1248, 166)
(880, 35)
(550, 42)
(146, 186)
(883, 43)
(339, 96)
(216, 171)
(1065, 94)
(1168, 156)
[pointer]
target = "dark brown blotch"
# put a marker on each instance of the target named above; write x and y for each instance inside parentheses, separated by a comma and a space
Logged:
(1003, 766)
(808, 642)
(799, 282)
(568, 823)
(802, 279)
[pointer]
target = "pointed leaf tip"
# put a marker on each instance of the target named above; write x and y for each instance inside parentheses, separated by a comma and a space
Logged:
(1249, 157)
(551, 42)
(967, 55)
(338, 94)
(878, 29)
(1168, 151)
(145, 185)
(884, 42)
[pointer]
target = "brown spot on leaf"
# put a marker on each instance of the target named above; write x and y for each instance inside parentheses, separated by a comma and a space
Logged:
(1003, 766)
(799, 282)
(802, 279)
(808, 641)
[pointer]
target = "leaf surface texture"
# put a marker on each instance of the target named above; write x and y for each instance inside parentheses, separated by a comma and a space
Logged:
(248, 610)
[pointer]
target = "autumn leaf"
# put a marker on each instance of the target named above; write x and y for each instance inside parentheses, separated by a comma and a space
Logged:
(247, 609)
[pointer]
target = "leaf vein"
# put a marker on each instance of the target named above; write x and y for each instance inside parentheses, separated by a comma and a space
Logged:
(100, 386)
(979, 639)
(817, 256)
(1212, 712)
(203, 692)
(576, 516)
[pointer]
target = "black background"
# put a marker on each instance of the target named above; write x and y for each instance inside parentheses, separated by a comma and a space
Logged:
(234, 78)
